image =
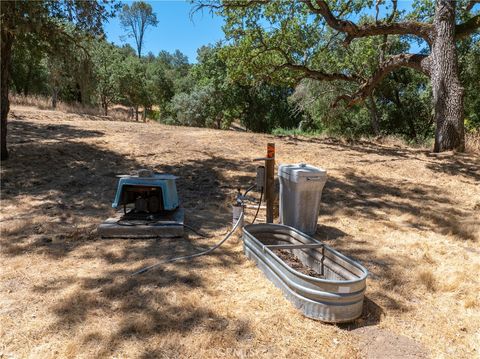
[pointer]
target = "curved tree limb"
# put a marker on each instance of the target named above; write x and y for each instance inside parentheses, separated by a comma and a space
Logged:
(471, 4)
(383, 49)
(420, 29)
(217, 4)
(469, 26)
(307, 71)
(320, 75)
(415, 61)
(351, 29)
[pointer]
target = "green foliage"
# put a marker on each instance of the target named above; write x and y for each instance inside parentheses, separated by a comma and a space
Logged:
(265, 38)
(314, 99)
(283, 42)
(216, 99)
(266, 107)
(469, 61)
(245, 81)
(159, 85)
(295, 132)
(132, 82)
(402, 106)
(107, 60)
(50, 46)
(29, 68)
(204, 97)
(193, 109)
(44, 19)
(404, 101)
(177, 70)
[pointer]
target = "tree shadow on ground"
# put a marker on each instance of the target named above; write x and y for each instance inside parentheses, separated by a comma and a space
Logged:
(69, 184)
(426, 207)
(389, 205)
(381, 267)
(359, 146)
(155, 303)
(372, 314)
(459, 164)
(463, 164)
(328, 233)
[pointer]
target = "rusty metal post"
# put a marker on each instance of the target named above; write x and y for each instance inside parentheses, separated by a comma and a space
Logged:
(270, 181)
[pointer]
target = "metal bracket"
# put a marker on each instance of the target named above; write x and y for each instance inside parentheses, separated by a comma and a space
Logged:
(293, 246)
(264, 159)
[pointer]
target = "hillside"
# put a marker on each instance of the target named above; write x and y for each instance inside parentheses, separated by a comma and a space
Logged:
(412, 218)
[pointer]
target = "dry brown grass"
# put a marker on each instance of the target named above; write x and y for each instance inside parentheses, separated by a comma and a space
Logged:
(116, 112)
(472, 142)
(411, 218)
(472, 301)
(427, 279)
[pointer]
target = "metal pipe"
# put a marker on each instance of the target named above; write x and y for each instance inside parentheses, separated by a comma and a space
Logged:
(293, 246)
(270, 181)
(191, 256)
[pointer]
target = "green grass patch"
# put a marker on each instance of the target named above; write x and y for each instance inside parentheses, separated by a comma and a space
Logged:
(296, 132)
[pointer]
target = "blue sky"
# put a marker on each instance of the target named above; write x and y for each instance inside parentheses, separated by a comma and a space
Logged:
(175, 30)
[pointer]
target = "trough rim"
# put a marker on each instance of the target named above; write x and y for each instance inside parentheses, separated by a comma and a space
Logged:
(264, 247)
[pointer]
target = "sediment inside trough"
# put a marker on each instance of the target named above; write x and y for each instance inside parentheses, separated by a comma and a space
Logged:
(292, 261)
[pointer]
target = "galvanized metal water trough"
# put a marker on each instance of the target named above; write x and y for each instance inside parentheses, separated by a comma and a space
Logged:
(335, 294)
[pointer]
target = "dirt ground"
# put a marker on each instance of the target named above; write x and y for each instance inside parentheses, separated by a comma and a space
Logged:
(412, 218)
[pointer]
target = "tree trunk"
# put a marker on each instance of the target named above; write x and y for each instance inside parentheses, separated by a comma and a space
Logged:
(412, 133)
(54, 97)
(374, 115)
(136, 113)
(26, 89)
(104, 104)
(6, 56)
(447, 89)
(84, 81)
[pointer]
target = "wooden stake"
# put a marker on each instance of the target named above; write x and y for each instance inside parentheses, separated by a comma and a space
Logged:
(270, 181)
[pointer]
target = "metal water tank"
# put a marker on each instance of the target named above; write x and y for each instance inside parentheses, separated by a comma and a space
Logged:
(301, 188)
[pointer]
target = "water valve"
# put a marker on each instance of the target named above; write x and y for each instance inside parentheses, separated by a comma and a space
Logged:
(260, 180)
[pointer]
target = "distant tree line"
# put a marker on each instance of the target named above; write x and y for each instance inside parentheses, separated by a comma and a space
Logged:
(165, 86)
(245, 80)
(209, 94)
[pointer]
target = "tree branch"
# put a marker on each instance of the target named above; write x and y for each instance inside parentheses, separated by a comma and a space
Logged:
(383, 49)
(465, 29)
(217, 5)
(308, 72)
(471, 4)
(415, 61)
(394, 11)
(353, 30)
(320, 75)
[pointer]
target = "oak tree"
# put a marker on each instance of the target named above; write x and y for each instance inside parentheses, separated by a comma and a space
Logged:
(46, 20)
(293, 40)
